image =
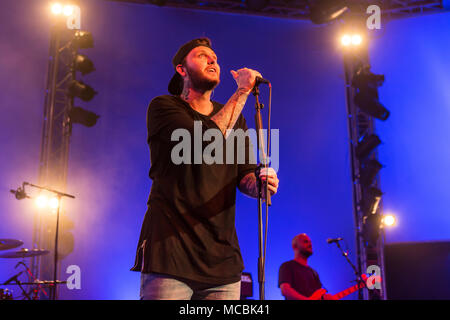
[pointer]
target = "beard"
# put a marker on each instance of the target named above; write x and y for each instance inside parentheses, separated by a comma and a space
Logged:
(199, 81)
(306, 254)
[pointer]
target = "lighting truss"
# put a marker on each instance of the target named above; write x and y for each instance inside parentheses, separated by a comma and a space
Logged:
(299, 9)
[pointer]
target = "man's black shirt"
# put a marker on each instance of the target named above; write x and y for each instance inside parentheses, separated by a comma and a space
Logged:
(302, 279)
(189, 228)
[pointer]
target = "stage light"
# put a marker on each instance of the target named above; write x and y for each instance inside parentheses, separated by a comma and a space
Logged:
(389, 220)
(67, 10)
(363, 78)
(366, 145)
(41, 201)
(370, 200)
(323, 11)
(368, 102)
(346, 40)
(81, 90)
(351, 40)
(83, 64)
(371, 229)
(53, 203)
(82, 116)
(356, 39)
(366, 97)
(56, 8)
(84, 39)
(369, 171)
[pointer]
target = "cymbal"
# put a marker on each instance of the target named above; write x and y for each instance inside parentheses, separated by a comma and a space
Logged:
(6, 244)
(24, 253)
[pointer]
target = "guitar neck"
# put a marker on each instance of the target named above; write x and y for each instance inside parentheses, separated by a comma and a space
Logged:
(346, 292)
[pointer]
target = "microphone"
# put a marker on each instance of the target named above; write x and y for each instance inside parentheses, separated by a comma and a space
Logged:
(260, 80)
(19, 193)
(329, 241)
(13, 278)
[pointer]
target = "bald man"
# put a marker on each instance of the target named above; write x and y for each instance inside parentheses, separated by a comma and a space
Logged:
(296, 279)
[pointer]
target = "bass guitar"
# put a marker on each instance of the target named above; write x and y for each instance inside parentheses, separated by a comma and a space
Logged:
(318, 294)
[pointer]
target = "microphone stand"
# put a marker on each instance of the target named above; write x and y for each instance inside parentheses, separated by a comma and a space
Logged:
(345, 254)
(59, 195)
(260, 150)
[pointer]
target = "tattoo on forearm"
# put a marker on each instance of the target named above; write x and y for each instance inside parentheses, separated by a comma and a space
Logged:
(248, 185)
(228, 115)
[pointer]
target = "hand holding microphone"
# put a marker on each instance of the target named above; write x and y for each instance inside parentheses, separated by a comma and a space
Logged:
(246, 79)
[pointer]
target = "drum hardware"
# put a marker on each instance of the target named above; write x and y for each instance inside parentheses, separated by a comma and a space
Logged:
(5, 294)
(36, 286)
(17, 282)
(21, 194)
(6, 244)
(24, 253)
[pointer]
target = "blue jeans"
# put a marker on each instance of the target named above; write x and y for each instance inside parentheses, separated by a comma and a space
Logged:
(156, 286)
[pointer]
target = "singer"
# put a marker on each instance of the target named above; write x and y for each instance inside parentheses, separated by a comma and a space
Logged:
(188, 248)
(296, 279)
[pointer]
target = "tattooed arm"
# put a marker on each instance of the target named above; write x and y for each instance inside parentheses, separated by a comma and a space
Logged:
(228, 115)
(248, 183)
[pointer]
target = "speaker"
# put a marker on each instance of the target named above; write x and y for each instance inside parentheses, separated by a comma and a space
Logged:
(417, 270)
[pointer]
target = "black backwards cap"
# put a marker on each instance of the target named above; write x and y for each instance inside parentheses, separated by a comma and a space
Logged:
(176, 83)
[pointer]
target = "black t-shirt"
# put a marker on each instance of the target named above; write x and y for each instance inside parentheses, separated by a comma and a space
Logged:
(302, 279)
(189, 228)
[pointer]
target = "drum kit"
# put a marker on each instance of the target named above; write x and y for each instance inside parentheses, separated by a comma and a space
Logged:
(8, 244)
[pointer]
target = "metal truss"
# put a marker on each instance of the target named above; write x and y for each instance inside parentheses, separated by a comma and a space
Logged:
(360, 124)
(56, 132)
(297, 9)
